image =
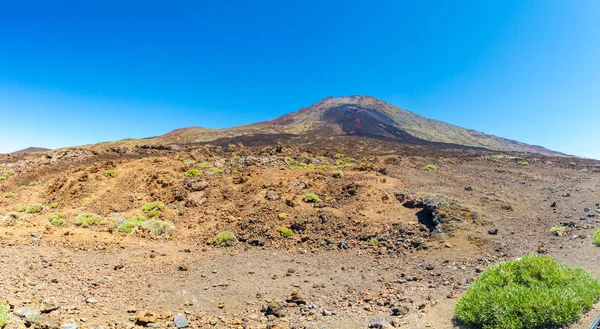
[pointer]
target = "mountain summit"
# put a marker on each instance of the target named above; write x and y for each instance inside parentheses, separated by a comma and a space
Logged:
(360, 116)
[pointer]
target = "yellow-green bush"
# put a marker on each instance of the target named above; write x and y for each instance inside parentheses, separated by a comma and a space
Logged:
(57, 219)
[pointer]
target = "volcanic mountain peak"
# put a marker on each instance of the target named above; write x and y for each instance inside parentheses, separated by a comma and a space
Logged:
(359, 116)
(32, 149)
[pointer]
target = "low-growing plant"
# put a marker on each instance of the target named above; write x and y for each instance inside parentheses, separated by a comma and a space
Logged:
(597, 238)
(532, 292)
(153, 209)
(158, 227)
(558, 229)
(87, 220)
(312, 198)
(217, 170)
(374, 241)
(282, 216)
(203, 165)
(286, 232)
(523, 163)
(32, 208)
(57, 219)
(32, 183)
(225, 239)
(193, 173)
(131, 223)
(3, 315)
(9, 195)
(54, 205)
(430, 168)
(111, 173)
(337, 174)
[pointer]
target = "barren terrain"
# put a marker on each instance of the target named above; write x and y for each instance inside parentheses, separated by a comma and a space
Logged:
(390, 245)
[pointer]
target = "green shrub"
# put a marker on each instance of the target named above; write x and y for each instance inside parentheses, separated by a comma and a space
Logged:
(373, 241)
(158, 227)
(203, 165)
(523, 163)
(282, 216)
(597, 238)
(87, 220)
(286, 232)
(22, 208)
(533, 292)
(153, 209)
(558, 230)
(32, 183)
(431, 168)
(54, 205)
(193, 173)
(9, 195)
(128, 225)
(57, 219)
(225, 238)
(33, 208)
(337, 174)
(13, 215)
(111, 173)
(312, 198)
(3, 315)
(217, 170)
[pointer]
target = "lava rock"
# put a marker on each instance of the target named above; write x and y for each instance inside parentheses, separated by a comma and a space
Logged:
(196, 184)
(274, 308)
(296, 298)
(48, 305)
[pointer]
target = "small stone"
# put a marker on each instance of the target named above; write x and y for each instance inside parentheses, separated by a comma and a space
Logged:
(48, 305)
(183, 267)
(180, 321)
(23, 312)
(296, 298)
(379, 324)
(493, 231)
(468, 188)
(69, 326)
(276, 309)
(400, 310)
(91, 300)
(144, 318)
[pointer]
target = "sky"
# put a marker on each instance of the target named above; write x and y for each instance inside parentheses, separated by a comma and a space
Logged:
(80, 72)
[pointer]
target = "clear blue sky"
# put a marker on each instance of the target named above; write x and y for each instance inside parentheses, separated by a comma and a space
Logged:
(78, 72)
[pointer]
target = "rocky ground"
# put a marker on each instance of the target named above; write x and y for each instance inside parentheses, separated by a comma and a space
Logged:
(390, 245)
